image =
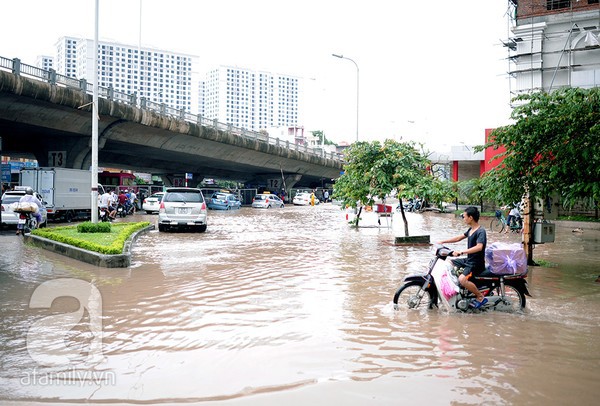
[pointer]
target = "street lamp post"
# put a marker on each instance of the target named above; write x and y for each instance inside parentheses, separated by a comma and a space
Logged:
(94, 169)
(357, 87)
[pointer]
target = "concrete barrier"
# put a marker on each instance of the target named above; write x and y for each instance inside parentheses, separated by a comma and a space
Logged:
(122, 260)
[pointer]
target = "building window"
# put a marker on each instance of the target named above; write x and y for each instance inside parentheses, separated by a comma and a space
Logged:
(557, 4)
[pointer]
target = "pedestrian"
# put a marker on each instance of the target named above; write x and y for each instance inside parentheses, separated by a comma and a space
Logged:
(326, 196)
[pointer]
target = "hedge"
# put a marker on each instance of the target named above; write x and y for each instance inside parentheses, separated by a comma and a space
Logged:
(120, 232)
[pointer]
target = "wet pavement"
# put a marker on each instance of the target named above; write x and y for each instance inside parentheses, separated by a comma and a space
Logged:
(293, 306)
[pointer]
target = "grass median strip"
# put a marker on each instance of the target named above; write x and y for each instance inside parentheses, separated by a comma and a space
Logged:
(104, 243)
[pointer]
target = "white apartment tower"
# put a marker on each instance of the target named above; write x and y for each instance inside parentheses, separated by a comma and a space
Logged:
(66, 56)
(159, 76)
(44, 62)
(254, 100)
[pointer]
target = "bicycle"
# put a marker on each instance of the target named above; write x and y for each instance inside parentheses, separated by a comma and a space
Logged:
(499, 223)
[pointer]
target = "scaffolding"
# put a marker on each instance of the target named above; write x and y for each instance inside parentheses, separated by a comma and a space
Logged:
(552, 44)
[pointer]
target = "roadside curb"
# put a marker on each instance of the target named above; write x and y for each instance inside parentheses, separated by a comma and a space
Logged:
(95, 258)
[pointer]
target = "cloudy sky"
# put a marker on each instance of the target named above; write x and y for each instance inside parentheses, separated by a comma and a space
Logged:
(432, 71)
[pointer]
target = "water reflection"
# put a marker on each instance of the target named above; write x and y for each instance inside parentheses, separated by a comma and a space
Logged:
(292, 302)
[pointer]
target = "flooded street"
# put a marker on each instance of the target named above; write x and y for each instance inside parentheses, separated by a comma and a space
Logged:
(291, 306)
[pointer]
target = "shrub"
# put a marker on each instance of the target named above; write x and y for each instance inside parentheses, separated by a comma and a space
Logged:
(89, 227)
(68, 235)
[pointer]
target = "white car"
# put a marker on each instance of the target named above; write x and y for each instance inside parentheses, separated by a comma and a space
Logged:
(303, 199)
(9, 202)
(182, 208)
(151, 204)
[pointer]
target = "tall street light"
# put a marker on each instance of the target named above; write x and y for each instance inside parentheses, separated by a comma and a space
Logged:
(355, 64)
(94, 169)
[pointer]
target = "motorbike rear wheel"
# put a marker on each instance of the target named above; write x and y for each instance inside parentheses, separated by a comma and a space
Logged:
(514, 300)
(406, 297)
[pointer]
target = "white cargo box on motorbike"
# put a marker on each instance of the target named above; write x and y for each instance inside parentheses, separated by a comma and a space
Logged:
(24, 207)
(506, 259)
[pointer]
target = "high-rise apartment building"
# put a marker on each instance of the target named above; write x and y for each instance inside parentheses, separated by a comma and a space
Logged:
(44, 62)
(254, 100)
(158, 75)
(555, 43)
(66, 56)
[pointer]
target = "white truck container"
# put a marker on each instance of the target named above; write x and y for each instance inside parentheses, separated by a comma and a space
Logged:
(66, 192)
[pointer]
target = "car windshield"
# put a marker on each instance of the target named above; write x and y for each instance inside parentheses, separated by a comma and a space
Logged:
(220, 196)
(261, 197)
(10, 199)
(189, 197)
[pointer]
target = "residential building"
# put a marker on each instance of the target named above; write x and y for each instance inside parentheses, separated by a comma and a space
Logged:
(250, 99)
(44, 62)
(159, 76)
(554, 43)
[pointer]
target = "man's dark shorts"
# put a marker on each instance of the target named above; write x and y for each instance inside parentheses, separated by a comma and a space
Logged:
(468, 268)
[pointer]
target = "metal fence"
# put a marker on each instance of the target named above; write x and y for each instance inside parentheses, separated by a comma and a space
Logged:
(20, 69)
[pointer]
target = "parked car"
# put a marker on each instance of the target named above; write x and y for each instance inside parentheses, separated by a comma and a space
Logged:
(152, 203)
(9, 203)
(224, 201)
(266, 201)
(182, 208)
(303, 199)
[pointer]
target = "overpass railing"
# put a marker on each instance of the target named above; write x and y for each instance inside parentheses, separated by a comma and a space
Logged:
(51, 76)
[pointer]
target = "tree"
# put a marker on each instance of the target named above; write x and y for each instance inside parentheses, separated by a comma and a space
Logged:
(553, 147)
(374, 170)
(322, 139)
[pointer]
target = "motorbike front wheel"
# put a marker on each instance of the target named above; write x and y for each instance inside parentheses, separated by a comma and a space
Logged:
(407, 297)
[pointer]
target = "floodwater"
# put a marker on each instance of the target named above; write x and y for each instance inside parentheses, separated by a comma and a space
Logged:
(291, 306)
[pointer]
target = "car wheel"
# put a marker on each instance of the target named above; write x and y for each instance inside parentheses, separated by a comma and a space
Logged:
(202, 228)
(228, 207)
(149, 211)
(161, 227)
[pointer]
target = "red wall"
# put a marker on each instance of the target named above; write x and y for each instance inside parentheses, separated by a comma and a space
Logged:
(490, 153)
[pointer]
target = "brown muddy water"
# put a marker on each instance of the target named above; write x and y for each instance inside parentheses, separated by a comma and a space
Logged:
(293, 307)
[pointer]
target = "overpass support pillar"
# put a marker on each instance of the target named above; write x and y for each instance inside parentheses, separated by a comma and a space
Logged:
(179, 179)
(290, 182)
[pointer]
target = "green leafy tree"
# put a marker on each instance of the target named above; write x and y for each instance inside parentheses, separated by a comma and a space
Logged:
(375, 170)
(553, 147)
(322, 139)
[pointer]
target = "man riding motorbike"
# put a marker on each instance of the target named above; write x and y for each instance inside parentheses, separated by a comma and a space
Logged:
(30, 198)
(474, 264)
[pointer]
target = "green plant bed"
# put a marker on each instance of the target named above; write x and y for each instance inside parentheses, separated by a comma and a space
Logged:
(578, 218)
(105, 242)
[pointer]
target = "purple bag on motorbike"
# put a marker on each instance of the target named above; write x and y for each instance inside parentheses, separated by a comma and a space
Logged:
(506, 259)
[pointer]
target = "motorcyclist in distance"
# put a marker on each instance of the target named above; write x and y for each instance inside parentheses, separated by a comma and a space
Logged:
(29, 197)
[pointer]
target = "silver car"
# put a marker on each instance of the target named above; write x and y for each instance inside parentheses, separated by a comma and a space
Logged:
(266, 201)
(9, 202)
(182, 208)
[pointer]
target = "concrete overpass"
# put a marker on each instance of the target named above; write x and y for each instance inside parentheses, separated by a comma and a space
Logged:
(52, 120)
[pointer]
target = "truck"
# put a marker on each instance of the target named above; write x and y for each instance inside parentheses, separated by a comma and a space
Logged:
(66, 192)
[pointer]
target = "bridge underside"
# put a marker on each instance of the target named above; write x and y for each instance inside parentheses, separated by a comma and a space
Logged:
(37, 118)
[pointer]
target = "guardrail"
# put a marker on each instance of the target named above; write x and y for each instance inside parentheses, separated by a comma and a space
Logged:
(20, 69)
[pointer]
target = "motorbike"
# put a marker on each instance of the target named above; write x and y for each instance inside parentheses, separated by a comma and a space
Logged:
(121, 210)
(503, 292)
(26, 222)
(103, 214)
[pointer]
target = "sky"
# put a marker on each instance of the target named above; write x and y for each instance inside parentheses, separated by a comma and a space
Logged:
(429, 71)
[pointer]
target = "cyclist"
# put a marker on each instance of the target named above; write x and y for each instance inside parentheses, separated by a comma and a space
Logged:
(513, 217)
